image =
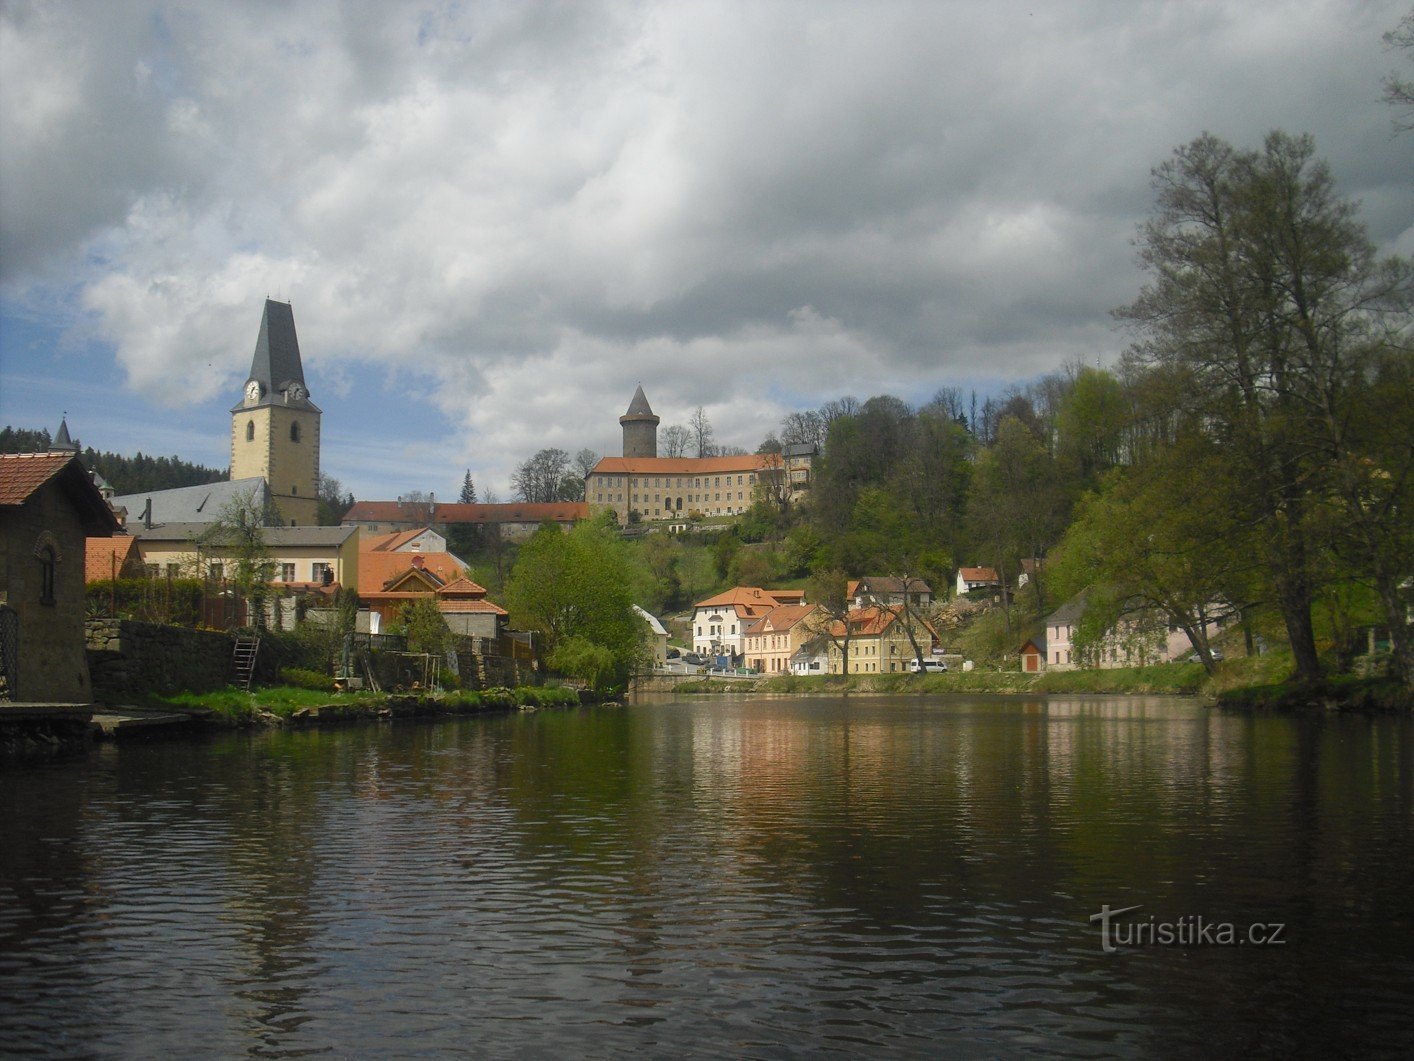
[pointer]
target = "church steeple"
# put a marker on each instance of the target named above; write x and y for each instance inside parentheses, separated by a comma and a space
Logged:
(275, 427)
(276, 372)
(62, 442)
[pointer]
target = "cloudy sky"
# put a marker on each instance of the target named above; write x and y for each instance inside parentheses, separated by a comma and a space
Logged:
(494, 219)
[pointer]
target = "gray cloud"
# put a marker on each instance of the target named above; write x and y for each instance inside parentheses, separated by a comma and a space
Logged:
(545, 203)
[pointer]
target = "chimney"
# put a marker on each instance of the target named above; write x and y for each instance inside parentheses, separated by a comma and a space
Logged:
(147, 514)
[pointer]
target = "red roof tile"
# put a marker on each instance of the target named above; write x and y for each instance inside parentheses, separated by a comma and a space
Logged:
(102, 556)
(750, 462)
(21, 474)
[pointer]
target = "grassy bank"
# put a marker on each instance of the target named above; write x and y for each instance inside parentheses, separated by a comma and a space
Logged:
(288, 704)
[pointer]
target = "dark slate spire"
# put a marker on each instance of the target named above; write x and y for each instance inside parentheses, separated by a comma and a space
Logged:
(276, 366)
(62, 442)
(639, 406)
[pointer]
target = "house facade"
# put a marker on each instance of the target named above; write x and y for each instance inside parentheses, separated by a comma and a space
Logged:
(655, 637)
(970, 578)
(889, 592)
(879, 641)
(719, 623)
(772, 640)
(49, 507)
(302, 558)
(1141, 638)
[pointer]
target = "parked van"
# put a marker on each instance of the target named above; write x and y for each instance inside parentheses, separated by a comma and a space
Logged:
(930, 666)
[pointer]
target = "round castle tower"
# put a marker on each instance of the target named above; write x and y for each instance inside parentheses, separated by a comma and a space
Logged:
(640, 427)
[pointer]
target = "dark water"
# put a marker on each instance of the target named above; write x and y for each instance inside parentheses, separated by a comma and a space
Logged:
(773, 877)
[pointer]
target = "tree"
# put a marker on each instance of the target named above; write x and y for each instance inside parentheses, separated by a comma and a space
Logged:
(700, 429)
(674, 440)
(468, 492)
(1399, 92)
(425, 629)
(333, 501)
(418, 507)
(572, 589)
(804, 429)
(829, 590)
(585, 462)
(541, 479)
(1267, 301)
(239, 533)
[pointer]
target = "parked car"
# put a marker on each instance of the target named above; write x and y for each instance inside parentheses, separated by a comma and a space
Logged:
(693, 659)
(673, 653)
(930, 666)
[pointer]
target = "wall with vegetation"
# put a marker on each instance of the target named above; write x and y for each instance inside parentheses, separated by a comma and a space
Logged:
(126, 657)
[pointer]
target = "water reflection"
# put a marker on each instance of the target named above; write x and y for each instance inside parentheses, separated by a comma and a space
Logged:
(766, 876)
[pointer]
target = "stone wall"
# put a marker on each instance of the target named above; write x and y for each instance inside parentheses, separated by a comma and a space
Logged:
(128, 657)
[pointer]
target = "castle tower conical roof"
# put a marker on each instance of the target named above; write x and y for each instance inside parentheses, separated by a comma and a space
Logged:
(638, 408)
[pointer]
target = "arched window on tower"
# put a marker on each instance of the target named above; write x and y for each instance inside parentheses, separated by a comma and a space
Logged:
(294, 431)
(250, 431)
(46, 574)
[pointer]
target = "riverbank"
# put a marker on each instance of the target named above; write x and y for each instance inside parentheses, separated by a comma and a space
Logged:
(291, 706)
(1252, 684)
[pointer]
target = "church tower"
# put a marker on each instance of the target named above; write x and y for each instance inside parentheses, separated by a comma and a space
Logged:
(275, 428)
(640, 427)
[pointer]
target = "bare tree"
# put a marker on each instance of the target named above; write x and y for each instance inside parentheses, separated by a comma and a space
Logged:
(584, 462)
(804, 429)
(838, 409)
(673, 440)
(418, 507)
(538, 480)
(1399, 92)
(701, 432)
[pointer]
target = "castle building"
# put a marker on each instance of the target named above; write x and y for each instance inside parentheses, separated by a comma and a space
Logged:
(643, 485)
(275, 427)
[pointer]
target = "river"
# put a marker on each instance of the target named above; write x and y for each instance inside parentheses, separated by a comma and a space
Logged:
(764, 877)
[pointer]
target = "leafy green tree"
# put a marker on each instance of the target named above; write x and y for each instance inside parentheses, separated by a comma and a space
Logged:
(572, 589)
(423, 626)
(1265, 300)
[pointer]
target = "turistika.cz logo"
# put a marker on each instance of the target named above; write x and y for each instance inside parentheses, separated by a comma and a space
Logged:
(1191, 930)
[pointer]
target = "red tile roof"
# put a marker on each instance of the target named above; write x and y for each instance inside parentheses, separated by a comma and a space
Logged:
(779, 620)
(750, 462)
(21, 474)
(377, 570)
(484, 606)
(395, 512)
(102, 556)
(979, 574)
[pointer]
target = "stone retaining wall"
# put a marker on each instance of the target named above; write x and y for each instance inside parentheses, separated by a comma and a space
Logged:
(129, 657)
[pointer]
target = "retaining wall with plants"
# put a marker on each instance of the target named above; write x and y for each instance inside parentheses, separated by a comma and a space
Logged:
(127, 657)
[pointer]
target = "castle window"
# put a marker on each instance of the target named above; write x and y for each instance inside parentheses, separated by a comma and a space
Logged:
(250, 431)
(294, 432)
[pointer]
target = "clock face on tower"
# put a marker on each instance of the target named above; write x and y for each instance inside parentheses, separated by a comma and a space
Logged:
(252, 391)
(296, 392)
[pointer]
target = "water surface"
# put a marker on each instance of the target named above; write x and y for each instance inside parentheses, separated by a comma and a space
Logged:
(759, 877)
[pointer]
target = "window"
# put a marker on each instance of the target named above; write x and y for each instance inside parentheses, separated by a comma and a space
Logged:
(250, 431)
(174, 570)
(294, 431)
(287, 572)
(323, 573)
(215, 572)
(152, 570)
(47, 562)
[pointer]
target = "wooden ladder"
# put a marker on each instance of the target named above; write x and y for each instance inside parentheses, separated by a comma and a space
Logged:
(243, 658)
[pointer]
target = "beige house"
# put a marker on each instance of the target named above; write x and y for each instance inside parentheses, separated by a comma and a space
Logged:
(655, 637)
(1140, 639)
(303, 557)
(515, 521)
(773, 639)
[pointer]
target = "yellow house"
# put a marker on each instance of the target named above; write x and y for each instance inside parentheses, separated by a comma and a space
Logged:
(879, 641)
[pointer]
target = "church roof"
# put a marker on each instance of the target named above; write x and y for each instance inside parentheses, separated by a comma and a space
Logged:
(638, 409)
(191, 504)
(62, 441)
(276, 363)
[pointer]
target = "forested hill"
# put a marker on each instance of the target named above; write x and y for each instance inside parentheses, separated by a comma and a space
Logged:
(127, 475)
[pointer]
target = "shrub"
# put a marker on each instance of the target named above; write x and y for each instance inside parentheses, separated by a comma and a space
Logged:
(307, 679)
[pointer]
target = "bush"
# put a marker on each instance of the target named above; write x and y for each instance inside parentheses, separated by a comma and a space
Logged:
(307, 679)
